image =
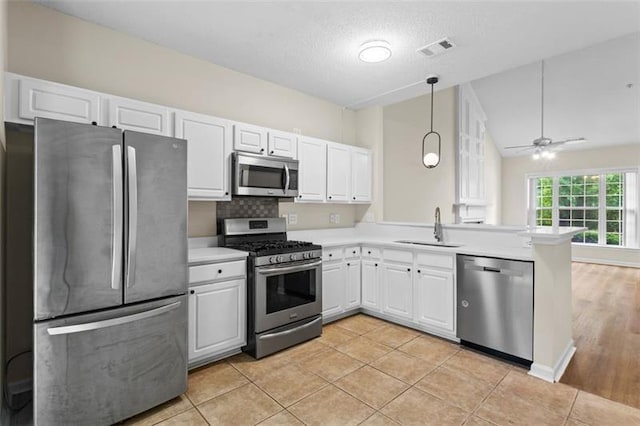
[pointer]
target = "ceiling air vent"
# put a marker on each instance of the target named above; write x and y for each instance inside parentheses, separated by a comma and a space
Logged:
(437, 48)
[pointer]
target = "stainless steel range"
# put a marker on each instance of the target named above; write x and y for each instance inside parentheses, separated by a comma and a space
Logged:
(284, 284)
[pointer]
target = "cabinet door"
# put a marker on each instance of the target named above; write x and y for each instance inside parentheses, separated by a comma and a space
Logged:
(249, 138)
(217, 318)
(353, 284)
(282, 144)
(142, 117)
(370, 285)
(209, 148)
(58, 102)
(312, 157)
(434, 299)
(361, 175)
(333, 284)
(338, 172)
(397, 287)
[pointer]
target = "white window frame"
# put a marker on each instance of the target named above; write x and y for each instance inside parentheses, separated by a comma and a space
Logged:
(530, 178)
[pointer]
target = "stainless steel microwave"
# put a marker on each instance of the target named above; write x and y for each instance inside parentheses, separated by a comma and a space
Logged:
(264, 176)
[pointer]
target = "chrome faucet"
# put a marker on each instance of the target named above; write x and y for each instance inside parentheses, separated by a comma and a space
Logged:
(437, 226)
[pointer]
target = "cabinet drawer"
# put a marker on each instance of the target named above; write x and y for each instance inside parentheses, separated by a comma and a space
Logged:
(217, 271)
(351, 252)
(437, 260)
(332, 254)
(371, 252)
(398, 256)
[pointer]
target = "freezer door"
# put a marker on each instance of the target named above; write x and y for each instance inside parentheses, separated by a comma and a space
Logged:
(78, 218)
(100, 368)
(156, 216)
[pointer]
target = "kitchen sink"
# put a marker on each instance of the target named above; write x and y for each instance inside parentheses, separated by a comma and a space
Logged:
(427, 243)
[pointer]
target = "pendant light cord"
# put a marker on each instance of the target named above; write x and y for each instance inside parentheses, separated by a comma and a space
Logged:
(542, 103)
(432, 107)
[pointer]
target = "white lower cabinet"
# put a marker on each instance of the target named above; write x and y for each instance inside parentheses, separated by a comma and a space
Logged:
(397, 290)
(333, 288)
(352, 299)
(371, 284)
(434, 297)
(217, 309)
(217, 318)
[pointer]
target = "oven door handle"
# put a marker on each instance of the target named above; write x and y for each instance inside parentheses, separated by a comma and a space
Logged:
(293, 330)
(295, 268)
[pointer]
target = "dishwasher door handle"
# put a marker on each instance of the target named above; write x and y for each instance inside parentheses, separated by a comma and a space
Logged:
(489, 269)
(473, 267)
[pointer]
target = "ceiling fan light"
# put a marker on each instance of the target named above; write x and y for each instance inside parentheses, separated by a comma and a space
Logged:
(375, 51)
(536, 155)
(545, 154)
(551, 155)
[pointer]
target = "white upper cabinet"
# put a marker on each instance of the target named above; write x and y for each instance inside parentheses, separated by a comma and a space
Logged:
(249, 138)
(282, 144)
(208, 154)
(361, 175)
(338, 172)
(142, 117)
(312, 175)
(28, 98)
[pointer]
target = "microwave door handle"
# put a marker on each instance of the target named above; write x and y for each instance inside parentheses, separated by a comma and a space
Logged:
(287, 179)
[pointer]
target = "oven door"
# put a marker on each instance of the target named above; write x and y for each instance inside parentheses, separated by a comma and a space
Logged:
(255, 175)
(287, 293)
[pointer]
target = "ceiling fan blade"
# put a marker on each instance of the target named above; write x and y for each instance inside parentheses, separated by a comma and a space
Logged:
(519, 146)
(569, 141)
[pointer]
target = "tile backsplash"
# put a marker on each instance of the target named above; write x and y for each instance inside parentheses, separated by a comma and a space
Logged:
(246, 207)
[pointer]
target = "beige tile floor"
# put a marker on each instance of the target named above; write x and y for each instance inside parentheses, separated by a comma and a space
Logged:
(370, 372)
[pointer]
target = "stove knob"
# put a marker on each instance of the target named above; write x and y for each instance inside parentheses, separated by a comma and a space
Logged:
(272, 260)
(293, 257)
(279, 258)
(307, 255)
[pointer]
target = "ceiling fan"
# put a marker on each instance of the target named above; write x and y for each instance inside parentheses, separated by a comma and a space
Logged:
(543, 146)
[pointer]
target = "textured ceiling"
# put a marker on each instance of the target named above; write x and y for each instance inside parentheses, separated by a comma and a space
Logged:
(313, 46)
(586, 95)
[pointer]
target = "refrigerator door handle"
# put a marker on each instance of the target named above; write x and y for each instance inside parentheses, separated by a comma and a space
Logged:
(133, 215)
(116, 209)
(88, 326)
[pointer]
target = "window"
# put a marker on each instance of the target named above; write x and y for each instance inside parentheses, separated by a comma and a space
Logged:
(605, 202)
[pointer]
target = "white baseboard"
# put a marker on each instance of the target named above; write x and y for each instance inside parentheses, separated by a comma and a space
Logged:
(611, 262)
(554, 374)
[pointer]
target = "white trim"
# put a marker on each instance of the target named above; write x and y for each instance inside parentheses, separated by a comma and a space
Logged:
(601, 261)
(554, 374)
(598, 171)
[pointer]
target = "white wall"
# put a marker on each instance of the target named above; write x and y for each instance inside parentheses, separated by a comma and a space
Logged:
(46, 44)
(411, 191)
(493, 181)
(370, 134)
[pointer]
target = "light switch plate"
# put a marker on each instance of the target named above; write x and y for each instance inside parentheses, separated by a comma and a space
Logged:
(293, 218)
(334, 218)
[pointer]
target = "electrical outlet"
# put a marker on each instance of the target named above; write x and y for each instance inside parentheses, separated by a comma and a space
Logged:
(334, 218)
(297, 131)
(293, 218)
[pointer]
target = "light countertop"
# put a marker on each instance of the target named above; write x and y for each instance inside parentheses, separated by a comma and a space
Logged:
(215, 254)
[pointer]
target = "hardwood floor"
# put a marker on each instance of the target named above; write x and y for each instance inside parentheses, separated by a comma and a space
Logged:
(606, 329)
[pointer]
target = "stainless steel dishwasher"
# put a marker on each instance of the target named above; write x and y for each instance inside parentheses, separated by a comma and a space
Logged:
(495, 305)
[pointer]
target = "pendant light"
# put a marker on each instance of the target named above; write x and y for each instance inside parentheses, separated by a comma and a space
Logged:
(431, 156)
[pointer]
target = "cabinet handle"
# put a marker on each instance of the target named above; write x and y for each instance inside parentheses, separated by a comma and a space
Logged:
(219, 271)
(348, 264)
(261, 149)
(354, 198)
(329, 196)
(418, 270)
(299, 196)
(354, 252)
(226, 193)
(271, 152)
(376, 265)
(94, 123)
(408, 269)
(330, 254)
(192, 292)
(369, 252)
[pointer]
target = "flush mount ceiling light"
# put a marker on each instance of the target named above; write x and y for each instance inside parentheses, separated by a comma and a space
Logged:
(375, 51)
(431, 158)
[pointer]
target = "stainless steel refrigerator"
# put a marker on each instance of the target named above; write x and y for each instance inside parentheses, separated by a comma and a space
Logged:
(105, 214)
